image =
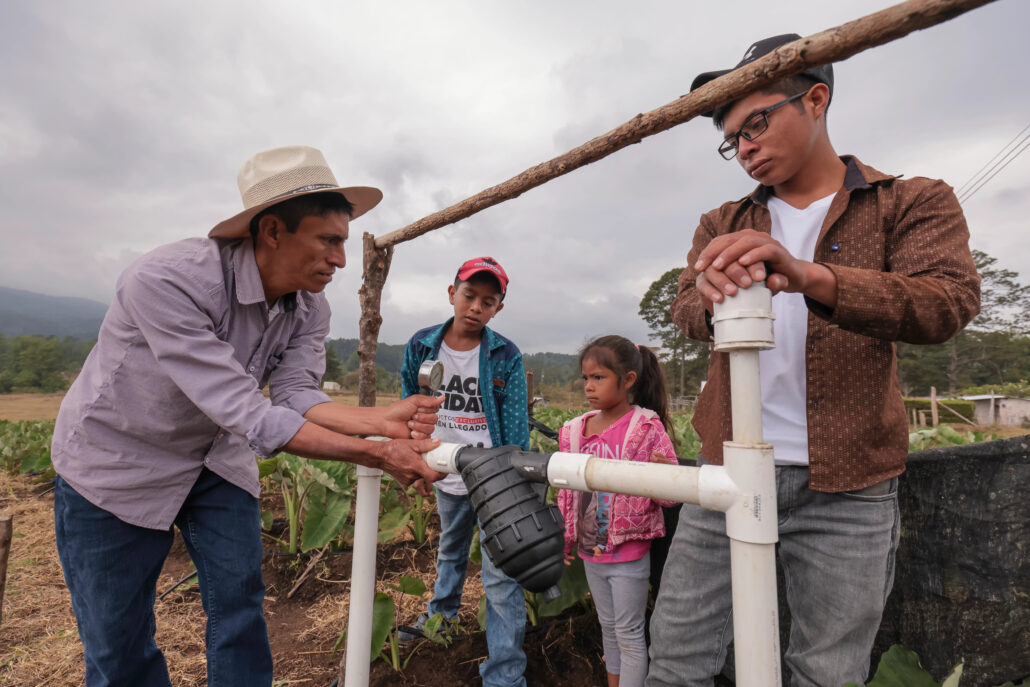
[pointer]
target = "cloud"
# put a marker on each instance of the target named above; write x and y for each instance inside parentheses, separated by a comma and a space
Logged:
(122, 126)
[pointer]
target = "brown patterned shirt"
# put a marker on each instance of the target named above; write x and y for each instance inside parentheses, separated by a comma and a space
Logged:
(900, 251)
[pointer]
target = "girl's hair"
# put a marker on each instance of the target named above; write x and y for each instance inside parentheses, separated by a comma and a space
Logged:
(620, 355)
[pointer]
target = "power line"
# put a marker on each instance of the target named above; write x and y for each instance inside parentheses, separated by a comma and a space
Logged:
(973, 191)
(969, 181)
(1009, 152)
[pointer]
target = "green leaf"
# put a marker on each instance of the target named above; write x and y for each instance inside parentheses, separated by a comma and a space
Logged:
(900, 667)
(392, 523)
(411, 586)
(573, 586)
(481, 613)
(267, 519)
(476, 550)
(326, 514)
(382, 622)
(267, 467)
(953, 679)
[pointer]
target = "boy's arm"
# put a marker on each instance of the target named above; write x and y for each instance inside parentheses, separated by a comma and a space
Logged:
(932, 289)
(515, 409)
(691, 311)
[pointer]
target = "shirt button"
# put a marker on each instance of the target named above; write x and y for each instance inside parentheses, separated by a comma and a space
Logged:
(251, 368)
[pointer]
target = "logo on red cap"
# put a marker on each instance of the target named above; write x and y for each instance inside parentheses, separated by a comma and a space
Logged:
(484, 264)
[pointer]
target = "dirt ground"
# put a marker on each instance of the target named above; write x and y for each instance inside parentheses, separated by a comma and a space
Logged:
(39, 644)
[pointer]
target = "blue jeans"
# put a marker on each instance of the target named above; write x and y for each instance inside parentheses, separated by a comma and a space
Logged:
(837, 554)
(505, 601)
(111, 569)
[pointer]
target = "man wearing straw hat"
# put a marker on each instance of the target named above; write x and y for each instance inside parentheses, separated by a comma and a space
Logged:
(162, 424)
(857, 260)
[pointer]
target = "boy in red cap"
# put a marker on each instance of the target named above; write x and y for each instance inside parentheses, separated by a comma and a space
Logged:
(485, 405)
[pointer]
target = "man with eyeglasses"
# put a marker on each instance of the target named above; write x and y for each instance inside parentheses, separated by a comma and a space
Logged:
(856, 260)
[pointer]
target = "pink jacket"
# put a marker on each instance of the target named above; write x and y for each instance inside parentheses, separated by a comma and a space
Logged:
(634, 518)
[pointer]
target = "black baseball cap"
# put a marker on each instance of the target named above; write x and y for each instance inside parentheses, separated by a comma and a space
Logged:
(821, 74)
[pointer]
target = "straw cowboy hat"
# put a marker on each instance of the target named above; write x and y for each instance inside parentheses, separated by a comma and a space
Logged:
(280, 174)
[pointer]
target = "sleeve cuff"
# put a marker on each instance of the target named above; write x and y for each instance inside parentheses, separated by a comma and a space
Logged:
(274, 431)
(303, 401)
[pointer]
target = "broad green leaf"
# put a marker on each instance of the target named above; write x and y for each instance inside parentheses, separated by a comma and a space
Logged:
(953, 679)
(393, 523)
(267, 467)
(382, 622)
(267, 519)
(900, 667)
(410, 585)
(327, 511)
(573, 586)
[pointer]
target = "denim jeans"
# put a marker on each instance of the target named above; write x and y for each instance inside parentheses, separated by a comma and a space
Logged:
(837, 554)
(111, 569)
(505, 601)
(619, 591)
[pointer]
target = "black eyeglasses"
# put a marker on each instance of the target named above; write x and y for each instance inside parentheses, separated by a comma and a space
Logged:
(754, 126)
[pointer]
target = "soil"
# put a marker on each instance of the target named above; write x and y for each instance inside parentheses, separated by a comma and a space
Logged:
(39, 646)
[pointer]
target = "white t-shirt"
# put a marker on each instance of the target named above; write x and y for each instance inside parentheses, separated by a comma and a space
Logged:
(461, 419)
(782, 369)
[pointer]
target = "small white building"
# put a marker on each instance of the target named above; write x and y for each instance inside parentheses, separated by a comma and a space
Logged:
(330, 386)
(995, 409)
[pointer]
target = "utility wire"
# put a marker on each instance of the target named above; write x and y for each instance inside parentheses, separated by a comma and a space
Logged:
(1009, 152)
(970, 193)
(971, 179)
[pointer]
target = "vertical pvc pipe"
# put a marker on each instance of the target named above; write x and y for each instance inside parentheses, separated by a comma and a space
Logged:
(756, 629)
(745, 396)
(363, 578)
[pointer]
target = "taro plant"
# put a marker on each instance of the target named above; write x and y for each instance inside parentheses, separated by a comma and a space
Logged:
(418, 521)
(385, 639)
(25, 448)
(317, 496)
(944, 435)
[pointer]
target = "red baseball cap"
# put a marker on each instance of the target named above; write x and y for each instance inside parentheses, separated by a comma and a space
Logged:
(484, 264)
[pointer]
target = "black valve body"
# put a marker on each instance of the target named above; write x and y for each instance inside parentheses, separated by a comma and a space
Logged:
(521, 532)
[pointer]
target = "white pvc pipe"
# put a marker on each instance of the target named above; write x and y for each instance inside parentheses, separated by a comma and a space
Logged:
(756, 629)
(653, 480)
(363, 578)
(745, 396)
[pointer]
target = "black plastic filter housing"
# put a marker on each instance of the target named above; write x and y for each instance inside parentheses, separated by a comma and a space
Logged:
(521, 532)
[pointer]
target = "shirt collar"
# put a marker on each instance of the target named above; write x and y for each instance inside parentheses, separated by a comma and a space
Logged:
(856, 176)
(249, 289)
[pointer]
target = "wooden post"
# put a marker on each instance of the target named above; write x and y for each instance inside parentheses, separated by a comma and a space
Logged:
(6, 530)
(831, 45)
(375, 268)
(933, 406)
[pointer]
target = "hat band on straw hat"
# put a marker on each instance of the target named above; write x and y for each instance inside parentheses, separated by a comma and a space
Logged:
(289, 182)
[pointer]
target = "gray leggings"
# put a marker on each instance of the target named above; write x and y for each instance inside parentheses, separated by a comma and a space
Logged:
(620, 595)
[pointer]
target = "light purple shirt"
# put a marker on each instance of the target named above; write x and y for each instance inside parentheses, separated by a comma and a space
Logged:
(174, 382)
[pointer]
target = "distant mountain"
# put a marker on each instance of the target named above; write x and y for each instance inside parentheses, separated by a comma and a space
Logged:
(25, 312)
(550, 368)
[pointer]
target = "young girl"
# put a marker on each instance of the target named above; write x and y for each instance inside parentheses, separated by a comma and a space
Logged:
(613, 532)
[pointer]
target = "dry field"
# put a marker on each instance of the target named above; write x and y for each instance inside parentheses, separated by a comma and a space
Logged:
(45, 406)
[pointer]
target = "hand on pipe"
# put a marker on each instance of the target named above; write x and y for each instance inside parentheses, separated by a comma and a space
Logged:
(737, 260)
(402, 458)
(413, 417)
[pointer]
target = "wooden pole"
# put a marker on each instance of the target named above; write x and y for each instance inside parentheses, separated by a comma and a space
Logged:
(6, 530)
(934, 417)
(831, 45)
(375, 268)
(529, 390)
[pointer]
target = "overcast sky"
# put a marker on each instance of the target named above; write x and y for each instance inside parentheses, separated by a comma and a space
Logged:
(123, 125)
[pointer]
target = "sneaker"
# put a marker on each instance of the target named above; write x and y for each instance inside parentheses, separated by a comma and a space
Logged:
(409, 633)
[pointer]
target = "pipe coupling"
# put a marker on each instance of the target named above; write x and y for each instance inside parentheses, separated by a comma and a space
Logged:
(744, 321)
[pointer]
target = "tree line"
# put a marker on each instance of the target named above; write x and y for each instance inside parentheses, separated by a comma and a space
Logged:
(992, 353)
(40, 363)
